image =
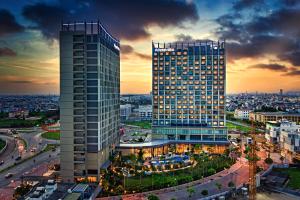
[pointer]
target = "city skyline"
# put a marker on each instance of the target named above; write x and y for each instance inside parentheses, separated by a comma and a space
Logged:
(263, 49)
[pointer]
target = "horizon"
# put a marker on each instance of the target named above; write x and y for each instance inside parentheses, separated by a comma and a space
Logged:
(262, 45)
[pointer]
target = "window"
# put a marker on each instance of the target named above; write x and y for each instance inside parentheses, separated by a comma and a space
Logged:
(92, 97)
(92, 68)
(92, 90)
(92, 111)
(91, 46)
(92, 75)
(92, 132)
(92, 82)
(92, 126)
(92, 118)
(92, 104)
(92, 54)
(92, 139)
(92, 61)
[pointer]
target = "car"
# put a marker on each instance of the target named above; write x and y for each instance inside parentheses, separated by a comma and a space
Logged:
(2, 162)
(18, 158)
(9, 175)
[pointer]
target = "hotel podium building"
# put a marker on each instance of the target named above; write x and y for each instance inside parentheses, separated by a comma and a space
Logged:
(188, 87)
(89, 99)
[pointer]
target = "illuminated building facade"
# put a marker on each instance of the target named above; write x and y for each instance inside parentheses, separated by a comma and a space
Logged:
(188, 87)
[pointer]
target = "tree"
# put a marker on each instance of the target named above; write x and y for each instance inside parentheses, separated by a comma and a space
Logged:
(204, 192)
(268, 160)
(211, 171)
(153, 197)
(282, 159)
(219, 186)
(231, 184)
(140, 157)
(190, 191)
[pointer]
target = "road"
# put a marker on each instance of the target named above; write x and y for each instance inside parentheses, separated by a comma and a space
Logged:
(28, 165)
(33, 139)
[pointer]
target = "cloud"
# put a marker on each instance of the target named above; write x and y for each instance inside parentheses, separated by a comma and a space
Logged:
(8, 23)
(183, 37)
(126, 49)
(293, 72)
(243, 4)
(5, 51)
(143, 56)
(126, 19)
(275, 33)
(272, 66)
(129, 50)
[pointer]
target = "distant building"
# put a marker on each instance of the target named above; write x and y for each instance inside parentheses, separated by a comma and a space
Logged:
(22, 114)
(275, 128)
(145, 112)
(264, 117)
(125, 111)
(241, 113)
(281, 92)
(290, 142)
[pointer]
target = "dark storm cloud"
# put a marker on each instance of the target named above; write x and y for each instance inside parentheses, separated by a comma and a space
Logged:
(4, 51)
(183, 37)
(126, 49)
(272, 66)
(274, 34)
(293, 73)
(8, 23)
(46, 17)
(127, 19)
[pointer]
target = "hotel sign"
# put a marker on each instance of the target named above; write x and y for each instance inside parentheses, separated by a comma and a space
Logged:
(163, 49)
(116, 47)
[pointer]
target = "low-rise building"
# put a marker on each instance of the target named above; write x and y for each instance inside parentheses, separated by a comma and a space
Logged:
(290, 142)
(264, 117)
(125, 111)
(241, 113)
(275, 128)
(145, 112)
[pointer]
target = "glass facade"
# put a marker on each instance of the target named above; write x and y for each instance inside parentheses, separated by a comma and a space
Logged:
(188, 88)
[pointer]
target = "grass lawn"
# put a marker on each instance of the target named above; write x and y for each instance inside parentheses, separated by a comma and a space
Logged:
(2, 144)
(143, 124)
(294, 174)
(51, 135)
(237, 127)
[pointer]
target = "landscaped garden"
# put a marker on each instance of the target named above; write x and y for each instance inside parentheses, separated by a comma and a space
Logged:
(232, 126)
(51, 135)
(142, 124)
(132, 174)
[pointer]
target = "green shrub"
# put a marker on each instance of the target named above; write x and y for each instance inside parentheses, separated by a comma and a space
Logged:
(204, 192)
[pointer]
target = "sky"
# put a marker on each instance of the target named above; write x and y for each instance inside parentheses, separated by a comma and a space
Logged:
(262, 39)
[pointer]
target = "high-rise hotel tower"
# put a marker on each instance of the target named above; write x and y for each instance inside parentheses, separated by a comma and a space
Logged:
(189, 92)
(89, 99)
